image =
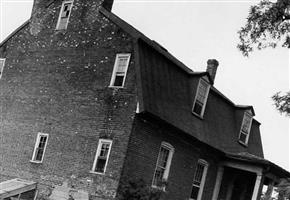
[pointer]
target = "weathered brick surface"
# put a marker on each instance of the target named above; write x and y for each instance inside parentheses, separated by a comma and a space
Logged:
(144, 145)
(56, 82)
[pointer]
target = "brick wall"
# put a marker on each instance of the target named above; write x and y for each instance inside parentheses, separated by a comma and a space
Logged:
(142, 155)
(56, 82)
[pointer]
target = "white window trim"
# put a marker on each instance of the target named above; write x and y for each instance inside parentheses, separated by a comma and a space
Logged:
(115, 70)
(97, 154)
(205, 100)
(168, 164)
(249, 130)
(201, 187)
(36, 145)
(4, 59)
(59, 17)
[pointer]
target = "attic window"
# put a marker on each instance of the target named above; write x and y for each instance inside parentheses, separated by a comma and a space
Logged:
(2, 63)
(245, 128)
(120, 70)
(64, 15)
(200, 98)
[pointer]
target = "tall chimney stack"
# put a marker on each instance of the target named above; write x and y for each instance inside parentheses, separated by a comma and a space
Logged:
(212, 65)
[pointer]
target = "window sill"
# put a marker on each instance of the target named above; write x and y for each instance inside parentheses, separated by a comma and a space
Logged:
(198, 116)
(158, 188)
(243, 144)
(116, 87)
(99, 173)
(35, 162)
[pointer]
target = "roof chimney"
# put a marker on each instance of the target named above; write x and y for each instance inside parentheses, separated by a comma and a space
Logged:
(212, 65)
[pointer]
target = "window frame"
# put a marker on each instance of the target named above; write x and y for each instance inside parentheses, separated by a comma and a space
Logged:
(101, 141)
(202, 183)
(169, 147)
(113, 77)
(39, 135)
(205, 99)
(59, 17)
(250, 115)
(2, 68)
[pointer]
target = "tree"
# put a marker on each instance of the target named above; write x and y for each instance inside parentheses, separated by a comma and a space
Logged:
(268, 25)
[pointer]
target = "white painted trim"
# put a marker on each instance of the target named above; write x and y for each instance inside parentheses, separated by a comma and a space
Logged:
(257, 187)
(36, 145)
(168, 163)
(101, 141)
(2, 68)
(200, 192)
(128, 55)
(60, 12)
(218, 182)
(205, 100)
(249, 130)
(241, 166)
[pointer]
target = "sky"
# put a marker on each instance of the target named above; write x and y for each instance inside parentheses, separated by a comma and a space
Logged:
(195, 31)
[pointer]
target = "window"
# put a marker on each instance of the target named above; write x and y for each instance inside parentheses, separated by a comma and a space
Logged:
(245, 128)
(64, 15)
(200, 98)
(102, 156)
(163, 165)
(199, 180)
(40, 147)
(120, 70)
(2, 63)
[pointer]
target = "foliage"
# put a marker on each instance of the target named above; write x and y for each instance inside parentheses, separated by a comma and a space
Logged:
(284, 189)
(267, 25)
(136, 189)
(282, 103)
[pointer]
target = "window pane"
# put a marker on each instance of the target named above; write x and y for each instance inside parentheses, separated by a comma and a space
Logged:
(122, 64)
(197, 108)
(243, 137)
(66, 10)
(194, 192)
(246, 123)
(118, 80)
(101, 163)
(158, 176)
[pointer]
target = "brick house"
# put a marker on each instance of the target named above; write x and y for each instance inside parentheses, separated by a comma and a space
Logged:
(88, 101)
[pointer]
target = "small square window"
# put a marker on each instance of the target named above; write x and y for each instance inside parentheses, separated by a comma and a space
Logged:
(2, 63)
(64, 15)
(102, 156)
(162, 166)
(245, 128)
(120, 70)
(199, 180)
(200, 98)
(39, 148)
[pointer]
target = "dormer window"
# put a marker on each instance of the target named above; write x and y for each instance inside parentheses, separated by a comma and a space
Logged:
(2, 63)
(245, 128)
(120, 70)
(200, 98)
(64, 15)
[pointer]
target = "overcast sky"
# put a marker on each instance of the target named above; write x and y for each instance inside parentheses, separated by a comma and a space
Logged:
(195, 31)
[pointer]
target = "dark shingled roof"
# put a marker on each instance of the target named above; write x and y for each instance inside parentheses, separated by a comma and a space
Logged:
(250, 158)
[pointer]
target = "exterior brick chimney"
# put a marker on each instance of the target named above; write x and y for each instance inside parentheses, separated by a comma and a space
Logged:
(212, 65)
